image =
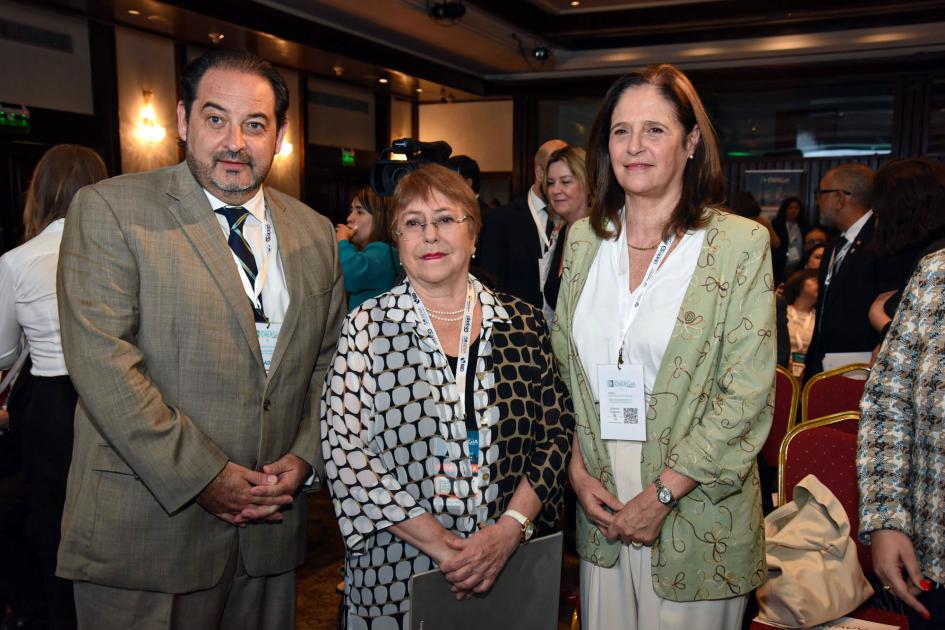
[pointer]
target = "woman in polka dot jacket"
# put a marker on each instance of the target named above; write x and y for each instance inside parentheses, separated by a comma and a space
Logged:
(445, 423)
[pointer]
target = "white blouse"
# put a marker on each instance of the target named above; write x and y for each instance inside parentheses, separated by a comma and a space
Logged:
(604, 306)
(28, 302)
(800, 328)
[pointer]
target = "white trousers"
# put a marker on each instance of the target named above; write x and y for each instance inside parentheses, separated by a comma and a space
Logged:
(622, 597)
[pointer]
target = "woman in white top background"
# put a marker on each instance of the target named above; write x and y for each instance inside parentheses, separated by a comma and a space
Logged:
(800, 296)
(28, 307)
(664, 333)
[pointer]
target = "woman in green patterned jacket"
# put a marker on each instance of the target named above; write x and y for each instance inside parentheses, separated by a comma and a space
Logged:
(664, 333)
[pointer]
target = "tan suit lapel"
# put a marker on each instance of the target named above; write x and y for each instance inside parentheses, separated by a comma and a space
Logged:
(192, 210)
(289, 246)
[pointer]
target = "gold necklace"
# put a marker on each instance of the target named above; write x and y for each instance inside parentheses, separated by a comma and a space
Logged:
(644, 249)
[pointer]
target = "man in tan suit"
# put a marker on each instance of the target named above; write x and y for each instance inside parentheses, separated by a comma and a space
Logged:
(199, 312)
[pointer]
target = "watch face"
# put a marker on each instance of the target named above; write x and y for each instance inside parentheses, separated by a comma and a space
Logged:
(665, 496)
(528, 530)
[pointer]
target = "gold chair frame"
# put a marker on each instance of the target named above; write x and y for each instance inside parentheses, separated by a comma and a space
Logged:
(795, 396)
(843, 369)
(805, 426)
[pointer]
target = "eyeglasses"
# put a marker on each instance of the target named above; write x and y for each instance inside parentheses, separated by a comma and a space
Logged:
(414, 228)
(825, 191)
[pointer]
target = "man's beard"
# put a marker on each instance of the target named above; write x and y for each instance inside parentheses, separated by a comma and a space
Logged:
(203, 172)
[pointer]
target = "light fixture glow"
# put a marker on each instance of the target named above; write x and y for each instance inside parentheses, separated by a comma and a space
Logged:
(134, 12)
(286, 149)
(382, 80)
(703, 51)
(883, 38)
(148, 130)
(575, 3)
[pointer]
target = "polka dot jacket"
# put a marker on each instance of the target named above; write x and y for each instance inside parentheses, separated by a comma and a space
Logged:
(392, 437)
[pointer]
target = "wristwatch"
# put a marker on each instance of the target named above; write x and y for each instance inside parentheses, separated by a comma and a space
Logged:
(528, 528)
(664, 495)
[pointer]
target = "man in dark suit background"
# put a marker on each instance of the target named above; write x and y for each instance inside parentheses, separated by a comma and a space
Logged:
(851, 275)
(468, 169)
(515, 237)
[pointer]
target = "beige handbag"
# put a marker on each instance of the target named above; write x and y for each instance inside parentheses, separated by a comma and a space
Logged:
(814, 575)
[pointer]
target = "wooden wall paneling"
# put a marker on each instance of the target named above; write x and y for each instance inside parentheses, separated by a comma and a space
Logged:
(382, 110)
(524, 143)
(105, 93)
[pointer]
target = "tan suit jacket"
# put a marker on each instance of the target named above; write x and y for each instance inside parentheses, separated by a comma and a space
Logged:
(159, 338)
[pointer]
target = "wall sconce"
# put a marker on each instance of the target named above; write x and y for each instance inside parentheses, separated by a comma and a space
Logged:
(148, 130)
(286, 149)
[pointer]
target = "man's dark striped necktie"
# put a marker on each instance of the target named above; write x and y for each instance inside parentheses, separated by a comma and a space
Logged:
(236, 218)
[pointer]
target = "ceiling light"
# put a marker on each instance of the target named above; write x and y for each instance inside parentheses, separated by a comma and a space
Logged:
(883, 38)
(575, 3)
(215, 37)
(134, 12)
(419, 90)
(382, 80)
(446, 12)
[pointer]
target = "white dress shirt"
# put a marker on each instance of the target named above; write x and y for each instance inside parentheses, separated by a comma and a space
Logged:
(28, 302)
(850, 234)
(275, 295)
(539, 210)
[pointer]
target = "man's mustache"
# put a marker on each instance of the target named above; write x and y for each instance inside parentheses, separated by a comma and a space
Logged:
(233, 156)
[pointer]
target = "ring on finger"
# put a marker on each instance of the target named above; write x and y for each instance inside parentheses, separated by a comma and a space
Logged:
(887, 587)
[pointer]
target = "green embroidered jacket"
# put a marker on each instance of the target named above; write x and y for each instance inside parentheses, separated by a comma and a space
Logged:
(707, 417)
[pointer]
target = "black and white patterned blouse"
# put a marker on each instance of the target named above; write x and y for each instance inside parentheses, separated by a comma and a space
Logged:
(392, 432)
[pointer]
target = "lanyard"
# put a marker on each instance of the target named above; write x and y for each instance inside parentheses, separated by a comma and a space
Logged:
(641, 291)
(462, 359)
(836, 257)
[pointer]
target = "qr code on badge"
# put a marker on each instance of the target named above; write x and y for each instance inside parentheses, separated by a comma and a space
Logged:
(631, 415)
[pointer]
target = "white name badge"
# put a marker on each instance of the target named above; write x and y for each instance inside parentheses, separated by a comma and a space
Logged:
(268, 335)
(622, 411)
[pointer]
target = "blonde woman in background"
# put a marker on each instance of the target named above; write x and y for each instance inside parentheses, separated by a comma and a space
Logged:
(568, 195)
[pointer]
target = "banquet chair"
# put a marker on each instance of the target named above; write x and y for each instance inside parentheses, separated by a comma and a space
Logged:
(786, 394)
(826, 447)
(834, 391)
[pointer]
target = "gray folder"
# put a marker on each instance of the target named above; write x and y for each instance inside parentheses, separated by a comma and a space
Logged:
(525, 597)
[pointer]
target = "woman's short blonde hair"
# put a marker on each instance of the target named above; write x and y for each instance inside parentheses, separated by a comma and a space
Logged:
(575, 159)
(420, 185)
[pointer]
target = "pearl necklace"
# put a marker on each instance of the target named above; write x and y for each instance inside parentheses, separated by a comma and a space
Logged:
(446, 319)
(448, 313)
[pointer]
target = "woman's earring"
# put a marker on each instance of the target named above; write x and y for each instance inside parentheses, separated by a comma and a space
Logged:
(692, 155)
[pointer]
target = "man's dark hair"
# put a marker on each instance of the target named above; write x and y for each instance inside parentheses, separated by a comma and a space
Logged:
(241, 61)
(466, 167)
